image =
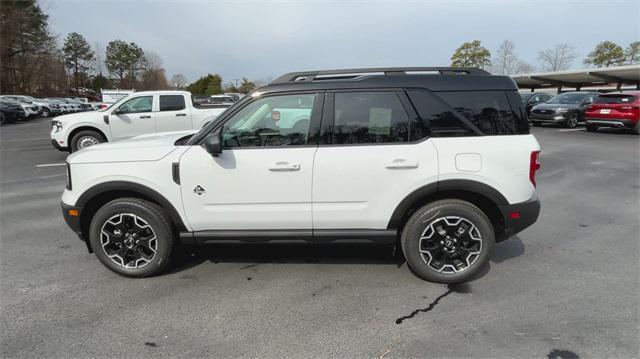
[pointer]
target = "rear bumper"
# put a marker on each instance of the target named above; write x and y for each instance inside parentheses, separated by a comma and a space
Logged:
(519, 216)
(611, 123)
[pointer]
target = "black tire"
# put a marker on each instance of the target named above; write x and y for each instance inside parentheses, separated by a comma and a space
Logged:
(3, 119)
(125, 253)
(572, 120)
(426, 219)
(78, 140)
(45, 112)
(591, 128)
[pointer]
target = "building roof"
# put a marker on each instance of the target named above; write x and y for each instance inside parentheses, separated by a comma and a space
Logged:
(620, 75)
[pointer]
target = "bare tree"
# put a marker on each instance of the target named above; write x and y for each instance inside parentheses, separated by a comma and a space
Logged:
(557, 58)
(506, 62)
(178, 81)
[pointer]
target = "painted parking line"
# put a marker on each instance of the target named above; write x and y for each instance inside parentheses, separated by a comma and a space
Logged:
(51, 164)
(571, 129)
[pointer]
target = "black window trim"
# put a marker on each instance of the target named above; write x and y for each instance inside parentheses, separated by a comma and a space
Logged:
(328, 112)
(314, 122)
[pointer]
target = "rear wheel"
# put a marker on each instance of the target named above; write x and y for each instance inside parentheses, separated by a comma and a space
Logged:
(45, 112)
(132, 237)
(86, 138)
(636, 128)
(572, 120)
(591, 128)
(448, 241)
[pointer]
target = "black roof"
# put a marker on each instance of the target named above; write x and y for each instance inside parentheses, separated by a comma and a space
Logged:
(431, 78)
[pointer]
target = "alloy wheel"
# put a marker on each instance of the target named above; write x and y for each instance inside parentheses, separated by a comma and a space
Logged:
(128, 240)
(450, 244)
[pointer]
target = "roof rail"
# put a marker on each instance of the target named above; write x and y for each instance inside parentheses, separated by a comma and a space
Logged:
(308, 76)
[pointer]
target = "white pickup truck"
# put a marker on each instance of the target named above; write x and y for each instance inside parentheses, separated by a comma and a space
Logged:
(137, 114)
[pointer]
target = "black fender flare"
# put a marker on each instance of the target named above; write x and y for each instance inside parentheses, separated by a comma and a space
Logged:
(145, 191)
(444, 186)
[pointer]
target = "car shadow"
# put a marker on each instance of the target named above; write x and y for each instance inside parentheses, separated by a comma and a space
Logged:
(614, 131)
(252, 255)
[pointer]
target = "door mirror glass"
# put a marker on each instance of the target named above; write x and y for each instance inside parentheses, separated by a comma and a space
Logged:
(212, 143)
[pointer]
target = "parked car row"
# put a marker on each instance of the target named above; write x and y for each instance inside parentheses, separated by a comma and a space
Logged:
(36, 107)
(595, 110)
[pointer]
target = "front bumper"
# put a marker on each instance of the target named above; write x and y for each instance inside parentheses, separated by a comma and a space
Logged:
(73, 221)
(519, 216)
(556, 118)
(57, 146)
(620, 123)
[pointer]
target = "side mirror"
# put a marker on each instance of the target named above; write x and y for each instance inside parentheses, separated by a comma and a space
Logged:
(116, 111)
(213, 143)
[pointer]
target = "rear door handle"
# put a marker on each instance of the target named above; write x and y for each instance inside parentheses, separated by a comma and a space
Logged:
(284, 166)
(401, 163)
(145, 116)
(181, 114)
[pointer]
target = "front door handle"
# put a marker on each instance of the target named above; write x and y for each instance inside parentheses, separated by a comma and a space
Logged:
(284, 166)
(145, 116)
(181, 114)
(401, 163)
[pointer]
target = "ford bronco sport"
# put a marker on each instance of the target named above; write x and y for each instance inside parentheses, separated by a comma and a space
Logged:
(438, 161)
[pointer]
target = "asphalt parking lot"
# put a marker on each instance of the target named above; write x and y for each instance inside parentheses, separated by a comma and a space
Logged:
(568, 285)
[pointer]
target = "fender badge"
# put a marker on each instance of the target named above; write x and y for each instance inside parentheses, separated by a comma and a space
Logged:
(199, 190)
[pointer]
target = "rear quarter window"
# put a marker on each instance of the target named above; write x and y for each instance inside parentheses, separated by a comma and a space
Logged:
(492, 112)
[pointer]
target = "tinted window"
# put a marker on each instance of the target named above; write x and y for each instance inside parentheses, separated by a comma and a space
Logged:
(171, 102)
(622, 99)
(589, 99)
(369, 117)
(437, 116)
(270, 121)
(137, 104)
(490, 111)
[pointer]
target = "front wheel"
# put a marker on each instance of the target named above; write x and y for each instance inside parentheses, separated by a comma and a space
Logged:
(448, 241)
(45, 112)
(86, 138)
(132, 237)
(572, 120)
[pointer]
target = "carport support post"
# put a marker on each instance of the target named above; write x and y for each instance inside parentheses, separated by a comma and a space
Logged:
(559, 88)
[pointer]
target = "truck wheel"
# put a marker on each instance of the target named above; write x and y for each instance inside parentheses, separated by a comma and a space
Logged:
(591, 128)
(132, 237)
(448, 241)
(86, 138)
(572, 120)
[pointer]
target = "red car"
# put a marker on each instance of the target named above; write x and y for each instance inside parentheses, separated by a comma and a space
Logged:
(614, 110)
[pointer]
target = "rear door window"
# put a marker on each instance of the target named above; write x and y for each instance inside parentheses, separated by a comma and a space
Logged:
(369, 117)
(171, 102)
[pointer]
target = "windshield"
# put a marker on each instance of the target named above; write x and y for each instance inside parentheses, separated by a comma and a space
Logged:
(569, 98)
(525, 97)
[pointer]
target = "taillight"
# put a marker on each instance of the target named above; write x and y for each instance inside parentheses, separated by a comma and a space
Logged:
(534, 166)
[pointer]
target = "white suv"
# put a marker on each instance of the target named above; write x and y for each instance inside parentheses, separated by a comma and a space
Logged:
(438, 161)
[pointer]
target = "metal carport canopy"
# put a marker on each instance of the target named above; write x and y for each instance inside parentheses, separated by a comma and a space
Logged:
(620, 75)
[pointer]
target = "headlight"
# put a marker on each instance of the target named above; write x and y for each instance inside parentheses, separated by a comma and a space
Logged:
(56, 126)
(68, 186)
(562, 110)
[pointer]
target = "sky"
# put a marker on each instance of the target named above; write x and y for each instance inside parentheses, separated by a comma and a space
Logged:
(264, 39)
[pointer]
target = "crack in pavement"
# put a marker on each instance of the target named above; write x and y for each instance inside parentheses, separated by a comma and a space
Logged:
(458, 288)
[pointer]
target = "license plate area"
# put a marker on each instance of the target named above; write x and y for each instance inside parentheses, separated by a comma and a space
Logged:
(605, 111)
